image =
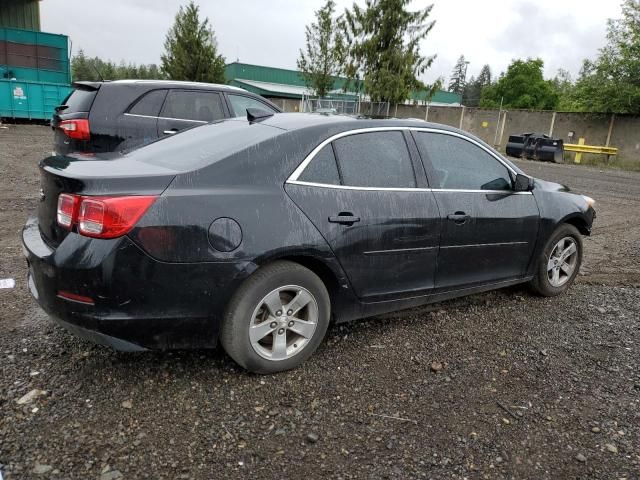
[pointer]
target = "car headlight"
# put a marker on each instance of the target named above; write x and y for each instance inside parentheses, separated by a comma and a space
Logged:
(590, 201)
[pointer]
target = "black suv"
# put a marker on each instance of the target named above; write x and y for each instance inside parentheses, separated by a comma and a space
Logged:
(125, 114)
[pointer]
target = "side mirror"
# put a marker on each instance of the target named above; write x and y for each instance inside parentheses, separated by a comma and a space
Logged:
(523, 183)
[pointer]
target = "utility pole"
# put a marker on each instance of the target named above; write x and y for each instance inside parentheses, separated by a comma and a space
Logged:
(495, 139)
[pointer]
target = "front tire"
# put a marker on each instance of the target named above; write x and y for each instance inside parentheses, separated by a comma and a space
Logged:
(276, 319)
(559, 262)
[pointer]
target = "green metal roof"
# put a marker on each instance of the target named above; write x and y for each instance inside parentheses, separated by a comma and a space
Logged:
(281, 82)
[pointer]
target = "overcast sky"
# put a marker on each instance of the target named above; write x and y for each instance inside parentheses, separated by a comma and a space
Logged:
(270, 32)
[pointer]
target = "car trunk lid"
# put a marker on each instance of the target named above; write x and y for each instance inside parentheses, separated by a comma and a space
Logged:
(110, 174)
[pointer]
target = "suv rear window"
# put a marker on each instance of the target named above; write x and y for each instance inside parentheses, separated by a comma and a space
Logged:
(79, 100)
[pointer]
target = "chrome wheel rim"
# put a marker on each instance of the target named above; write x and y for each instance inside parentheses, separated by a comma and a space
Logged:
(283, 323)
(562, 262)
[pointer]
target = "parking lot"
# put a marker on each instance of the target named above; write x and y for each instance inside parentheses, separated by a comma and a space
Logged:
(498, 385)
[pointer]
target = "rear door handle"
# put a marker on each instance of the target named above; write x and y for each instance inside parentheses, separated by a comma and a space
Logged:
(344, 218)
(459, 218)
(170, 132)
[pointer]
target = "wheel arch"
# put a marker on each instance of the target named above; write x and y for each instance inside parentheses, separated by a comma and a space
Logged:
(328, 270)
(578, 221)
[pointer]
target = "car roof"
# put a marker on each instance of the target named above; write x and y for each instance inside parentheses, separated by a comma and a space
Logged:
(166, 83)
(297, 121)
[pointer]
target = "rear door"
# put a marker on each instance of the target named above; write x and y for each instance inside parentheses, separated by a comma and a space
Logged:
(369, 199)
(139, 125)
(188, 108)
(488, 231)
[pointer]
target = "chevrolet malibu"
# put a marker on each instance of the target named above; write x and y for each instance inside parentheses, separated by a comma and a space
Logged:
(259, 232)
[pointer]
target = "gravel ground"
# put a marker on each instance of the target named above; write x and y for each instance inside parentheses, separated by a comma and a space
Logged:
(499, 385)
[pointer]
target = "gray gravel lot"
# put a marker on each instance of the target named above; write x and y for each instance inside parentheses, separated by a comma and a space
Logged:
(499, 385)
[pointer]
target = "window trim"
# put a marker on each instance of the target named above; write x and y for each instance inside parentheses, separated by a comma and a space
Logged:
(243, 94)
(175, 90)
(293, 178)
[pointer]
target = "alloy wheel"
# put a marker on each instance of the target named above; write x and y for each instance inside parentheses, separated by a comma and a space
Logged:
(283, 322)
(562, 262)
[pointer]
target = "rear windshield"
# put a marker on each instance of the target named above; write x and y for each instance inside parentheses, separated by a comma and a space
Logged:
(79, 100)
(202, 145)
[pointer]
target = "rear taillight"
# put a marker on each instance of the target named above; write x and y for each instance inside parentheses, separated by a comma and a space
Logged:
(102, 217)
(67, 210)
(76, 129)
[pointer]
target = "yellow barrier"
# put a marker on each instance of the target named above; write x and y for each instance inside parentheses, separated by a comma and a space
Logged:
(581, 148)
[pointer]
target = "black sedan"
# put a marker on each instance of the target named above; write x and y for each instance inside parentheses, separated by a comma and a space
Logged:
(258, 232)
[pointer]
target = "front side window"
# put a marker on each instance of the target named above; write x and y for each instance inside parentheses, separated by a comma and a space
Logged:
(240, 103)
(375, 159)
(461, 165)
(193, 105)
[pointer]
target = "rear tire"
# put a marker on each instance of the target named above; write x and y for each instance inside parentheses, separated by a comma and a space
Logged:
(276, 319)
(559, 262)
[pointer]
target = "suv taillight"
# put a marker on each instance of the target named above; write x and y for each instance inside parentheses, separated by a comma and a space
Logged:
(102, 217)
(76, 129)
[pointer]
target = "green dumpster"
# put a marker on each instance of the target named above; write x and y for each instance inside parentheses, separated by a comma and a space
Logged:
(34, 73)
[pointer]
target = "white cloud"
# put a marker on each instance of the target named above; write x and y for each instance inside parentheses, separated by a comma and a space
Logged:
(271, 32)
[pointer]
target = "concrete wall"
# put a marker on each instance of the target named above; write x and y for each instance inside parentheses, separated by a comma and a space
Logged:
(594, 128)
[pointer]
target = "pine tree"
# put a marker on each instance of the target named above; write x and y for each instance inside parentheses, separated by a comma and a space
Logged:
(191, 49)
(473, 88)
(383, 40)
(458, 77)
(484, 78)
(322, 59)
(81, 68)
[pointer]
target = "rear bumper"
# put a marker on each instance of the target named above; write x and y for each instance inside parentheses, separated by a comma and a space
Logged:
(138, 302)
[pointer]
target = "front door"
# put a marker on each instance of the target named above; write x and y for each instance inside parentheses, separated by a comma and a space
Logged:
(488, 230)
(361, 193)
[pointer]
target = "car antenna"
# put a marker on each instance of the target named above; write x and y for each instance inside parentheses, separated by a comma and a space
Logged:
(95, 67)
(257, 114)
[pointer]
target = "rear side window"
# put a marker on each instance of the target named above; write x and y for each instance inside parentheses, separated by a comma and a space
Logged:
(240, 103)
(376, 159)
(193, 105)
(149, 104)
(79, 100)
(322, 169)
(461, 165)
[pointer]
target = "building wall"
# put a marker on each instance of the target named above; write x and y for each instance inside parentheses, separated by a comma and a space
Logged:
(23, 14)
(286, 104)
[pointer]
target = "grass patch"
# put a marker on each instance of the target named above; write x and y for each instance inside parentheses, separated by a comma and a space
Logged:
(600, 161)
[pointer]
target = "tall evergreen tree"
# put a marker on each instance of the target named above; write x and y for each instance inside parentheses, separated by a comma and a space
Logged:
(383, 39)
(484, 77)
(473, 88)
(459, 76)
(191, 49)
(323, 56)
(81, 68)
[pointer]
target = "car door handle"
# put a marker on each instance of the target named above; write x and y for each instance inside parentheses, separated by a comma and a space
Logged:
(170, 132)
(344, 218)
(459, 218)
